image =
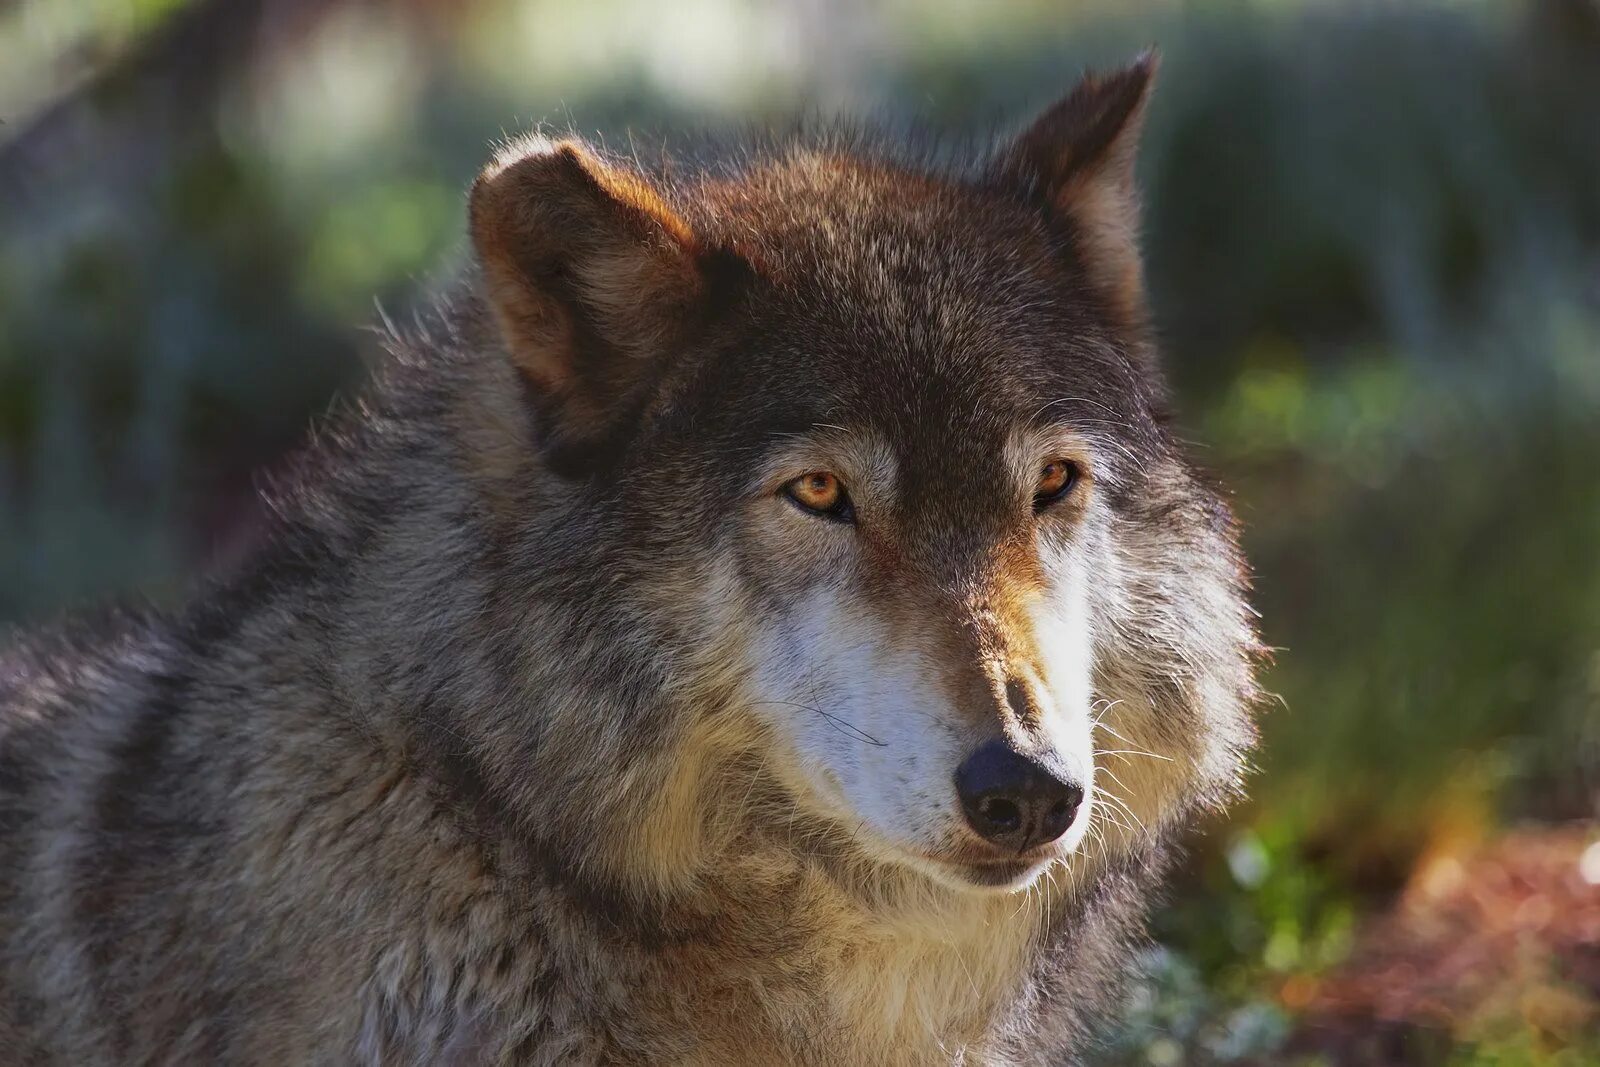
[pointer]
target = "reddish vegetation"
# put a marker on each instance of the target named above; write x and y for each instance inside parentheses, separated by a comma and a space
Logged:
(1481, 944)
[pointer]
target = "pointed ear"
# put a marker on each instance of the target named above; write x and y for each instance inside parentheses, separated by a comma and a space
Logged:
(1078, 157)
(592, 277)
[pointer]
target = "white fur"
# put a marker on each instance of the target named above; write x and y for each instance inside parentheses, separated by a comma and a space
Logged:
(873, 742)
(874, 739)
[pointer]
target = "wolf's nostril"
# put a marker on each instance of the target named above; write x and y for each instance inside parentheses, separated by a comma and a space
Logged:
(999, 811)
(1015, 801)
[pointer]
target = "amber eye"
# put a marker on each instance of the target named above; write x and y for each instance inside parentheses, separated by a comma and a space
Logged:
(821, 494)
(1056, 479)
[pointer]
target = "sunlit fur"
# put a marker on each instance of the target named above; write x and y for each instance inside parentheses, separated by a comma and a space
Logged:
(544, 729)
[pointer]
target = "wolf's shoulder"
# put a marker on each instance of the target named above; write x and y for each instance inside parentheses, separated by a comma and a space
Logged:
(62, 685)
(47, 666)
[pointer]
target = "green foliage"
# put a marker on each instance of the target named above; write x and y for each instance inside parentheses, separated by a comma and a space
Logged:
(1523, 1050)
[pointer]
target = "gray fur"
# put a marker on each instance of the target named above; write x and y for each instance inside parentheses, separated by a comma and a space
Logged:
(358, 801)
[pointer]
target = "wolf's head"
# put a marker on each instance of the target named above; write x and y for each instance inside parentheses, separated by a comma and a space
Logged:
(880, 452)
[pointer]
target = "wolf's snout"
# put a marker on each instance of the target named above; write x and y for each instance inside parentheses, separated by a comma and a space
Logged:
(1013, 801)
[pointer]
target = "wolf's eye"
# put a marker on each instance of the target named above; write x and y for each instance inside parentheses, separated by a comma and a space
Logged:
(821, 494)
(1056, 479)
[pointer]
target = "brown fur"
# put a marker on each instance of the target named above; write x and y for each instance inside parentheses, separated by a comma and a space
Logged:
(467, 766)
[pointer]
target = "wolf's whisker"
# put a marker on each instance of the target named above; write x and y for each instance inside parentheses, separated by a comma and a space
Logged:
(1097, 834)
(842, 725)
(755, 776)
(1098, 725)
(1134, 752)
(1110, 816)
(1113, 776)
(1078, 400)
(1101, 708)
(1122, 804)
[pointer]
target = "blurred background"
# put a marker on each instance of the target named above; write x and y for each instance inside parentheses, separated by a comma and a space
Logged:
(1374, 244)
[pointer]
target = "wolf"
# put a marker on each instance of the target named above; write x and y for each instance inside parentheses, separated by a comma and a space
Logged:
(762, 616)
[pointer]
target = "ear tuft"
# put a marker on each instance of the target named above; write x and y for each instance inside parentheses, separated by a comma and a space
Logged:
(591, 274)
(1078, 156)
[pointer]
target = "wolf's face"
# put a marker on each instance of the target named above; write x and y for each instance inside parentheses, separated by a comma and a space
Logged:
(922, 638)
(917, 457)
(895, 445)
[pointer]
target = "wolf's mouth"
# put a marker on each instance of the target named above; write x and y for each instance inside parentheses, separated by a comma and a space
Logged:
(968, 870)
(1002, 874)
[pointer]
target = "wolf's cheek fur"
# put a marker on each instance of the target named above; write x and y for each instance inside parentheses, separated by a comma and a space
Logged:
(874, 745)
(1172, 685)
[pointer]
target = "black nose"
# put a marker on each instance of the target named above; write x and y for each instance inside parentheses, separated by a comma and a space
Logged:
(1013, 801)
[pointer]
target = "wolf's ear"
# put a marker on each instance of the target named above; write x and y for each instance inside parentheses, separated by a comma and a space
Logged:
(1078, 156)
(592, 277)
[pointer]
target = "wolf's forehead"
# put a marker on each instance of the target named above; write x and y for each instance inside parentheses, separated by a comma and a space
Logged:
(927, 360)
(919, 352)
(939, 318)
(820, 217)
